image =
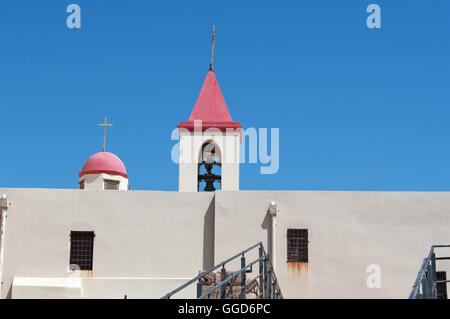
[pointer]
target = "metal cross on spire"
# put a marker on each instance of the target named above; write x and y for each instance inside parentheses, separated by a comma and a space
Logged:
(104, 136)
(211, 66)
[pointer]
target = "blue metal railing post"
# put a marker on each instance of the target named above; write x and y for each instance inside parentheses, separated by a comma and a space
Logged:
(425, 284)
(269, 283)
(265, 279)
(433, 276)
(223, 275)
(243, 279)
(261, 285)
(199, 288)
(430, 282)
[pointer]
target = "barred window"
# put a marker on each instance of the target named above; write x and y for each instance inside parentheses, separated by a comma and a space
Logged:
(441, 287)
(82, 249)
(110, 184)
(297, 245)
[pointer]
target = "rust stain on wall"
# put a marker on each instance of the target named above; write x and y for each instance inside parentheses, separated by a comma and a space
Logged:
(87, 274)
(298, 268)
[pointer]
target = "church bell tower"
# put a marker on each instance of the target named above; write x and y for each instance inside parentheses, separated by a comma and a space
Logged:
(209, 142)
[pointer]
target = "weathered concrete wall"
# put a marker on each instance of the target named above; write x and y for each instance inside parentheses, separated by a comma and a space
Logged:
(146, 243)
(347, 232)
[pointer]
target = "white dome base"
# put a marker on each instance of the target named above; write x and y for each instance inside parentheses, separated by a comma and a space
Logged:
(97, 181)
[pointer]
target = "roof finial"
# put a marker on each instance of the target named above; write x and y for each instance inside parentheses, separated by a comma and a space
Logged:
(104, 135)
(211, 66)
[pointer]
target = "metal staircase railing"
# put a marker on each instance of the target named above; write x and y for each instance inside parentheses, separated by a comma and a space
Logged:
(425, 286)
(266, 279)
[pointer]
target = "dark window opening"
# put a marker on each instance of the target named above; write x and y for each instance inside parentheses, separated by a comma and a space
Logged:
(297, 245)
(111, 185)
(81, 185)
(441, 287)
(82, 249)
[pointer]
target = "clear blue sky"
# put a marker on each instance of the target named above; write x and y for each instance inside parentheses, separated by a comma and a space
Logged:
(357, 108)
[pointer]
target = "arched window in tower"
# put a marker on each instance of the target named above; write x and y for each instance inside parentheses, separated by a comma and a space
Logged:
(209, 168)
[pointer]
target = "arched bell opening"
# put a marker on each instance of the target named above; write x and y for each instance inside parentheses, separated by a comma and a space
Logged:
(209, 168)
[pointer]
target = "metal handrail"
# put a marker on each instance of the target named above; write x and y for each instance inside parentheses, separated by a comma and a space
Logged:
(232, 276)
(268, 283)
(428, 265)
(201, 275)
(421, 273)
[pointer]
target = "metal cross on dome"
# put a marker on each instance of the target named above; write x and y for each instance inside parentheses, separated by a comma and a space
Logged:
(104, 135)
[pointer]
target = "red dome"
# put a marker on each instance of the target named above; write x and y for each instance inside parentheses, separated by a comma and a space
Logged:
(104, 162)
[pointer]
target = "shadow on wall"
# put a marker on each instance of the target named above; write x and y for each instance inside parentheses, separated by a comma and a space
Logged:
(208, 236)
(9, 295)
(266, 225)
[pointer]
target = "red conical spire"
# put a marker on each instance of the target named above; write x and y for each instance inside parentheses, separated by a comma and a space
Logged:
(210, 107)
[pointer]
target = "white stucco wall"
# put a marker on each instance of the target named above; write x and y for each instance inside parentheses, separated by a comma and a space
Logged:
(146, 243)
(347, 232)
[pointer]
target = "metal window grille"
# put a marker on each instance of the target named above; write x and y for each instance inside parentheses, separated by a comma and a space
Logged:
(82, 249)
(441, 287)
(112, 185)
(297, 245)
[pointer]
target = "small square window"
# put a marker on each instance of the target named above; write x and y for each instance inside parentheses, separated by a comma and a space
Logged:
(82, 249)
(111, 185)
(297, 245)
